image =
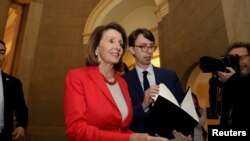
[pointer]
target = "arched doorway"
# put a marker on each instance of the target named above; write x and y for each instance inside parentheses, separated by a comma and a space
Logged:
(199, 84)
(139, 13)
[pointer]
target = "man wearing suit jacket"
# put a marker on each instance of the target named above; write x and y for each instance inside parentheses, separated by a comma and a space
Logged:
(11, 103)
(142, 46)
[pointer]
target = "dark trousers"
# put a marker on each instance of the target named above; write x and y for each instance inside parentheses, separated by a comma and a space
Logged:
(5, 136)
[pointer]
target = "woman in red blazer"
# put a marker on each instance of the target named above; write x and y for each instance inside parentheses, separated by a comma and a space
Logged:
(97, 106)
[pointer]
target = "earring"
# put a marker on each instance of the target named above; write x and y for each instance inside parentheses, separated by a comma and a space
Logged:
(96, 54)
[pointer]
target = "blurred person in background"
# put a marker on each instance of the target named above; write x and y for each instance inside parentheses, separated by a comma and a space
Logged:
(12, 104)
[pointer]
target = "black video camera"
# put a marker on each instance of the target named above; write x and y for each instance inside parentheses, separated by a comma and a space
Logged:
(209, 64)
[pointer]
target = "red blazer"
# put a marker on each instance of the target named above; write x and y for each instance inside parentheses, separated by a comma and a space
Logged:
(90, 111)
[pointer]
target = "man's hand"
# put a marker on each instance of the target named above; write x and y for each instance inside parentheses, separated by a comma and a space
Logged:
(224, 76)
(151, 92)
(18, 133)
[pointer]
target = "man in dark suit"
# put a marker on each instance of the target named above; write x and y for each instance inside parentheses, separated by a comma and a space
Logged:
(12, 104)
(142, 46)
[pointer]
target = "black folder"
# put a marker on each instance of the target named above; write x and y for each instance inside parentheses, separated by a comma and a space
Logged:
(165, 116)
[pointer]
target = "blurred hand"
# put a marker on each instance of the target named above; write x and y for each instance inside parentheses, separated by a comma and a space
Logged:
(224, 76)
(18, 133)
(180, 137)
(151, 92)
(145, 137)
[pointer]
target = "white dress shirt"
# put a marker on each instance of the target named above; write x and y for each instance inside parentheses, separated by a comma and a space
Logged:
(150, 76)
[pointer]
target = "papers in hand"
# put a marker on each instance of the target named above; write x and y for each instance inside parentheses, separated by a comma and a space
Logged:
(167, 114)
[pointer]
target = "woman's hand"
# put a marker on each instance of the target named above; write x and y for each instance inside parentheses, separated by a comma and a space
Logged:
(145, 137)
(180, 137)
(18, 133)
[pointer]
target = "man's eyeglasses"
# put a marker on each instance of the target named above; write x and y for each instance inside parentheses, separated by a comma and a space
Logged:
(242, 57)
(145, 48)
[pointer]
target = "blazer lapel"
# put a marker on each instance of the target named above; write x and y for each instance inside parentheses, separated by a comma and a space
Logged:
(136, 82)
(125, 92)
(100, 83)
(5, 80)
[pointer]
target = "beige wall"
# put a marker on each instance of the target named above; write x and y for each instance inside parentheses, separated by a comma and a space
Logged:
(51, 45)
(4, 9)
(190, 30)
(196, 28)
(237, 19)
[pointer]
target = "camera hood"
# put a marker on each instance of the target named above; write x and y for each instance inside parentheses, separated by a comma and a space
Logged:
(210, 64)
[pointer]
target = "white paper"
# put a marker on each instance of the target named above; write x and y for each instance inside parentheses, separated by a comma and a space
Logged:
(167, 94)
(187, 104)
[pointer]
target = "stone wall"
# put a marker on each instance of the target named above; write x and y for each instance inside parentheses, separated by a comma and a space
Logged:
(4, 9)
(237, 19)
(191, 29)
(51, 46)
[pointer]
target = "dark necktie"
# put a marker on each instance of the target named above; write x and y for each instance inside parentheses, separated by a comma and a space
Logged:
(145, 80)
